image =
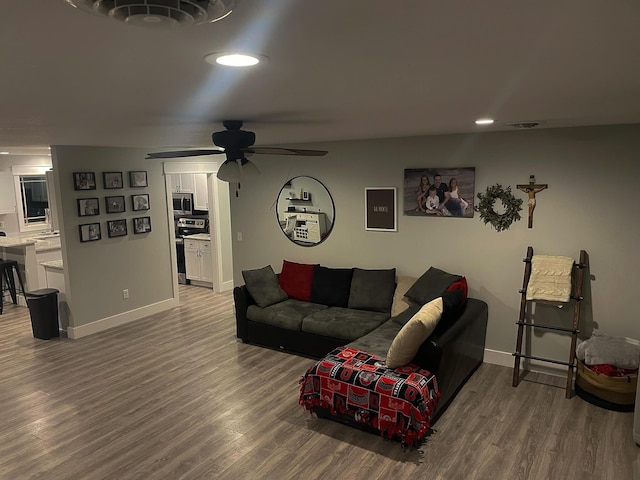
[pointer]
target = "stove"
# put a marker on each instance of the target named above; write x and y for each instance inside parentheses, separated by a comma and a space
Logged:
(186, 226)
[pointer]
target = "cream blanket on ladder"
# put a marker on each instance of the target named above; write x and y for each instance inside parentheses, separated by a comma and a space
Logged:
(550, 278)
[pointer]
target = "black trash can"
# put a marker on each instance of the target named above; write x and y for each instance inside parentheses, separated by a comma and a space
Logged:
(43, 308)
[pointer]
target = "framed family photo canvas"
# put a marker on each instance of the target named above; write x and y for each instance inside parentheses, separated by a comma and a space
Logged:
(439, 192)
(84, 181)
(138, 179)
(112, 180)
(380, 209)
(90, 232)
(117, 228)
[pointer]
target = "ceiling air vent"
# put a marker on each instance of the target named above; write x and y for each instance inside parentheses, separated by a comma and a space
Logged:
(158, 13)
(523, 125)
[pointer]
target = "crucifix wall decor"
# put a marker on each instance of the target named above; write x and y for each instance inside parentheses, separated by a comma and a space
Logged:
(531, 189)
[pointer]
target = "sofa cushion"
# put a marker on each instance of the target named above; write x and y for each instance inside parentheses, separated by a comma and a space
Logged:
(331, 286)
(406, 343)
(432, 284)
(462, 286)
(400, 301)
(296, 279)
(263, 286)
(372, 289)
(378, 341)
(287, 314)
(343, 323)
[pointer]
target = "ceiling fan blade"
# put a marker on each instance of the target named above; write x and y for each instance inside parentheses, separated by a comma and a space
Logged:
(284, 151)
(183, 153)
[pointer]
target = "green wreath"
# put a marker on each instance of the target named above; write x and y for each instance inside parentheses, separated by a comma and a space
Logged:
(512, 206)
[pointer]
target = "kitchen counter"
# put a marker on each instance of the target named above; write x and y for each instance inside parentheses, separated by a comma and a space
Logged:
(10, 242)
(53, 265)
(30, 252)
(199, 236)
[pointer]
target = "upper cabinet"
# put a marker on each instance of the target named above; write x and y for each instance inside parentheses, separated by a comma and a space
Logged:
(7, 193)
(195, 183)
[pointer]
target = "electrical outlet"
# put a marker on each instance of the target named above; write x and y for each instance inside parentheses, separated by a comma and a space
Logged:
(1, 224)
(125, 293)
(239, 236)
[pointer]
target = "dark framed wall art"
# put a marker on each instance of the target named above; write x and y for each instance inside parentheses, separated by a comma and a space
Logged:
(141, 224)
(115, 204)
(90, 232)
(117, 228)
(88, 207)
(140, 202)
(380, 209)
(138, 179)
(112, 180)
(84, 181)
(439, 192)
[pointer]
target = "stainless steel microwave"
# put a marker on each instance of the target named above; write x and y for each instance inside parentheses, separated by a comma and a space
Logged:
(182, 203)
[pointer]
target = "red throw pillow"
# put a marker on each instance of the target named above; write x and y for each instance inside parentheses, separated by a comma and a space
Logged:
(296, 280)
(458, 285)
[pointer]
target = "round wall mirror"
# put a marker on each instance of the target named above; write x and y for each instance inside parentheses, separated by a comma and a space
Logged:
(305, 211)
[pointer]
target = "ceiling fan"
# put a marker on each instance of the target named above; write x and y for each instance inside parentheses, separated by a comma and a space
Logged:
(236, 144)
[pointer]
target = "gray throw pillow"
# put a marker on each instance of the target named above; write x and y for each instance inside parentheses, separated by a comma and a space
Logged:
(432, 284)
(372, 289)
(263, 286)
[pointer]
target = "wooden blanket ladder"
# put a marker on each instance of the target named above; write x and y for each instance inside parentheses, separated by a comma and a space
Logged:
(576, 297)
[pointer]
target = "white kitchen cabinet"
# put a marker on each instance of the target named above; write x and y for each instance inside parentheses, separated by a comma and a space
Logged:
(200, 194)
(182, 182)
(7, 193)
(198, 261)
(195, 183)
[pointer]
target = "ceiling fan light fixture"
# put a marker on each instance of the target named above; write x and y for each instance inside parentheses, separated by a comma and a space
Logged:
(229, 171)
(158, 13)
(234, 171)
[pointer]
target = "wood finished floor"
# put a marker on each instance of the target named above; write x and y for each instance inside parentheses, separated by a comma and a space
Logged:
(176, 396)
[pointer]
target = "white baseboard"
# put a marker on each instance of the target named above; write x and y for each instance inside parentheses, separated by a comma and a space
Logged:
(121, 319)
(226, 286)
(505, 359)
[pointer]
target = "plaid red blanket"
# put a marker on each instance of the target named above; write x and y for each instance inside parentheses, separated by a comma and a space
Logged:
(397, 403)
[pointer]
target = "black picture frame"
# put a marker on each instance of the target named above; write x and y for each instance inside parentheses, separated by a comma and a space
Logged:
(84, 180)
(138, 179)
(90, 232)
(112, 180)
(117, 228)
(115, 204)
(140, 202)
(88, 207)
(380, 210)
(141, 225)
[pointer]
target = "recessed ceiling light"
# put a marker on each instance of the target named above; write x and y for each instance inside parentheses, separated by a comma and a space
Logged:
(234, 59)
(4, 153)
(484, 121)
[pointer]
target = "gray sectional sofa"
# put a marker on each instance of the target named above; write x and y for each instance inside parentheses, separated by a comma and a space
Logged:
(352, 307)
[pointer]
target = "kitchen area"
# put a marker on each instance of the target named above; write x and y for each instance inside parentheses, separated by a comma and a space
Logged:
(190, 202)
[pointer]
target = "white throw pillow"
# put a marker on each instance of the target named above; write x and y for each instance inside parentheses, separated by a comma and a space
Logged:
(408, 340)
(400, 302)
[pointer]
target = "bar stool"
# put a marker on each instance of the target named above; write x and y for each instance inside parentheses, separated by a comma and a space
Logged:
(7, 270)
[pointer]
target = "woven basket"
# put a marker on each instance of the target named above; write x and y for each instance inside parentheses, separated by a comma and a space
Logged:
(620, 391)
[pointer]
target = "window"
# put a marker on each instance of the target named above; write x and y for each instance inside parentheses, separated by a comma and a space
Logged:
(35, 202)
(32, 197)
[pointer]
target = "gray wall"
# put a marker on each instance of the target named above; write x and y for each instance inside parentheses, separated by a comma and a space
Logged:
(592, 175)
(97, 272)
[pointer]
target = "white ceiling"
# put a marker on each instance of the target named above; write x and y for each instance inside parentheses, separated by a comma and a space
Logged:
(338, 69)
